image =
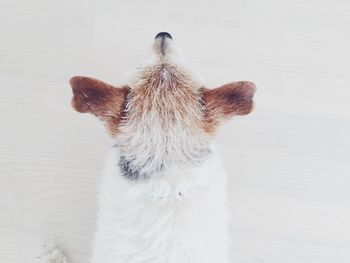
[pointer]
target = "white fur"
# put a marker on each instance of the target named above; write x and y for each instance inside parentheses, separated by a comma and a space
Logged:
(180, 217)
(175, 212)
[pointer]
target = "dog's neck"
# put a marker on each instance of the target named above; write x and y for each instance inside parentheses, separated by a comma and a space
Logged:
(175, 184)
(156, 168)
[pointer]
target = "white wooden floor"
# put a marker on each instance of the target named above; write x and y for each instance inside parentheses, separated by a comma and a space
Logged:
(289, 162)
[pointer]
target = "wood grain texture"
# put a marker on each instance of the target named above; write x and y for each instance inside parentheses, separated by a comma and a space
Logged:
(288, 162)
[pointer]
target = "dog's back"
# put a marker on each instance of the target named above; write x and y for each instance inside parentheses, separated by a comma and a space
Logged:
(180, 217)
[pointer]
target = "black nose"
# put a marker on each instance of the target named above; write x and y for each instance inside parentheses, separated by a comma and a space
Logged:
(163, 35)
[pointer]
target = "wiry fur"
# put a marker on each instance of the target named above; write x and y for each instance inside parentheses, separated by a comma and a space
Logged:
(163, 193)
(164, 122)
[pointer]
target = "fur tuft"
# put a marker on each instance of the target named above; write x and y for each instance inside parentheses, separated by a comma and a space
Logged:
(52, 254)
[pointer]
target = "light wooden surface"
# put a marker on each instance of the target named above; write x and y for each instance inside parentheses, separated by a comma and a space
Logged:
(289, 162)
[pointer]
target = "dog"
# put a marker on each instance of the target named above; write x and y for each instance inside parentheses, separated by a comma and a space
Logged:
(163, 194)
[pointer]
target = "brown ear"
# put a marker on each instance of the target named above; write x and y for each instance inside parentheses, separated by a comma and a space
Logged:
(100, 99)
(235, 98)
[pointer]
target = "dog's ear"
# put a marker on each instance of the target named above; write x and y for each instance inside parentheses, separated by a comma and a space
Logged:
(100, 99)
(235, 98)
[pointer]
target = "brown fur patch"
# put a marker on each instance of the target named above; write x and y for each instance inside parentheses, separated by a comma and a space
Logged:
(173, 97)
(234, 98)
(100, 99)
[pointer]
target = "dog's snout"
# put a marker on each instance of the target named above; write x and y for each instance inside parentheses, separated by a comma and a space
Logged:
(163, 44)
(163, 35)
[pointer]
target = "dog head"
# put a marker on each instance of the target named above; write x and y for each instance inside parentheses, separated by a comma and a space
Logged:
(163, 117)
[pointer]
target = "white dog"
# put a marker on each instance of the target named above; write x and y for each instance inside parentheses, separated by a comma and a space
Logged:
(163, 193)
